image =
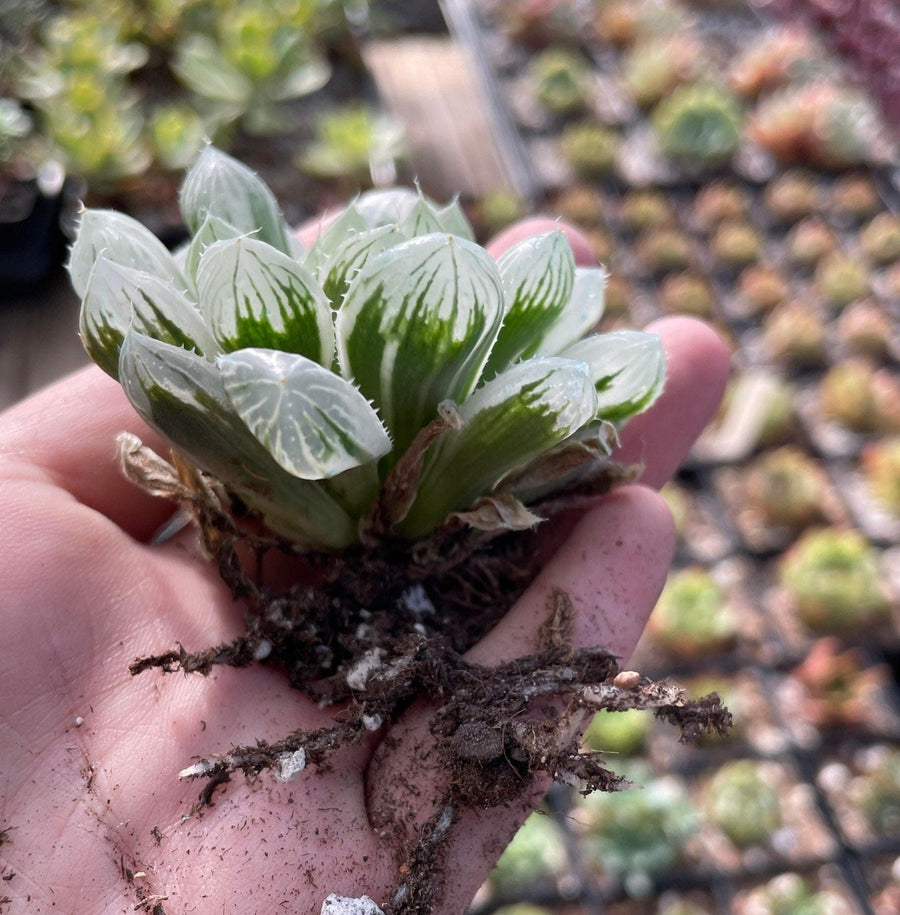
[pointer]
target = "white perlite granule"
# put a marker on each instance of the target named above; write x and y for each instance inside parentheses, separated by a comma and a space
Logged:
(344, 905)
(290, 765)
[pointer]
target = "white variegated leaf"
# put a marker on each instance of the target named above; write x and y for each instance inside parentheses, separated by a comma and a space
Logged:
(416, 327)
(253, 295)
(217, 185)
(581, 314)
(506, 423)
(121, 298)
(313, 422)
(182, 396)
(212, 230)
(386, 206)
(348, 222)
(422, 219)
(120, 239)
(454, 220)
(537, 276)
(628, 368)
(200, 65)
(352, 256)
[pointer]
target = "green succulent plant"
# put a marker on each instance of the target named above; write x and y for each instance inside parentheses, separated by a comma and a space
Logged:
(560, 80)
(787, 487)
(176, 133)
(861, 397)
(790, 894)
(536, 852)
(833, 577)
(299, 380)
(741, 801)
(876, 793)
(590, 148)
(881, 467)
(618, 732)
(841, 279)
(880, 239)
(698, 125)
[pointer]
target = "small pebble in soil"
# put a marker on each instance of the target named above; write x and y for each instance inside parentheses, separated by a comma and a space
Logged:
(344, 905)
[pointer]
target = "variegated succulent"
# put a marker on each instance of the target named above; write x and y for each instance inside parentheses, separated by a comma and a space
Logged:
(301, 379)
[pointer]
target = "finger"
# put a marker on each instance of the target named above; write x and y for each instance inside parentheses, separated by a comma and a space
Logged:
(67, 434)
(613, 567)
(697, 365)
(538, 225)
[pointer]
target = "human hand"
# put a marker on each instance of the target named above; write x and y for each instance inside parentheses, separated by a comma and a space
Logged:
(92, 817)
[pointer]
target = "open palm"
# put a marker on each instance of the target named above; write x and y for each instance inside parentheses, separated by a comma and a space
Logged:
(93, 818)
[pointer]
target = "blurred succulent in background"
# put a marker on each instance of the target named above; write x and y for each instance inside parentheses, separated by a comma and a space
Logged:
(176, 134)
(560, 81)
(539, 23)
(719, 201)
(252, 59)
(687, 293)
(496, 211)
(832, 577)
(790, 894)
(355, 143)
(590, 148)
(622, 733)
(580, 204)
(636, 834)
(809, 241)
(646, 209)
(736, 244)
(880, 239)
(791, 196)
(663, 250)
(15, 126)
(881, 468)
(854, 197)
(617, 21)
(787, 487)
(242, 350)
(876, 792)
(795, 331)
(783, 54)
(693, 615)
(536, 854)
(865, 329)
(698, 125)
(655, 66)
(742, 801)
(762, 287)
(861, 397)
(841, 279)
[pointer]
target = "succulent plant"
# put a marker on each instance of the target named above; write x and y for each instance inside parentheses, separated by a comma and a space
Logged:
(693, 615)
(15, 125)
(656, 65)
(736, 244)
(719, 201)
(622, 733)
(787, 487)
(861, 397)
(854, 197)
(742, 802)
(795, 331)
(809, 241)
(865, 329)
(539, 23)
(698, 125)
(646, 209)
(841, 279)
(636, 834)
(590, 148)
(356, 143)
(619, 295)
(792, 196)
(762, 287)
(773, 59)
(497, 210)
(876, 793)
(241, 353)
(536, 853)
(663, 250)
(881, 468)
(790, 894)
(560, 79)
(580, 204)
(833, 578)
(687, 293)
(880, 239)
(176, 134)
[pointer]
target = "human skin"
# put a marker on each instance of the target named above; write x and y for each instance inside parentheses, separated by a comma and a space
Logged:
(93, 818)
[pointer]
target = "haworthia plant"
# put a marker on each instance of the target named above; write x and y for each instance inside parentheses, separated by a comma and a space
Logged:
(298, 380)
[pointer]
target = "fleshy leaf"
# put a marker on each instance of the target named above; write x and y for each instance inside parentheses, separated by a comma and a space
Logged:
(122, 240)
(387, 206)
(352, 256)
(348, 222)
(313, 422)
(628, 368)
(507, 422)
(581, 314)
(253, 295)
(416, 327)
(537, 276)
(199, 64)
(217, 185)
(422, 219)
(121, 298)
(454, 221)
(182, 396)
(212, 230)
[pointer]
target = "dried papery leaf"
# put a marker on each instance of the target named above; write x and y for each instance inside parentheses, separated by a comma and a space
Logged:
(122, 240)
(217, 185)
(147, 470)
(212, 230)
(537, 276)
(416, 326)
(313, 422)
(352, 255)
(255, 296)
(506, 423)
(498, 513)
(182, 396)
(119, 299)
(581, 314)
(628, 368)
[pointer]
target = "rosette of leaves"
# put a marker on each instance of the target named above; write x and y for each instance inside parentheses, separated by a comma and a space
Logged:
(560, 81)
(741, 800)
(391, 377)
(249, 63)
(790, 894)
(698, 125)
